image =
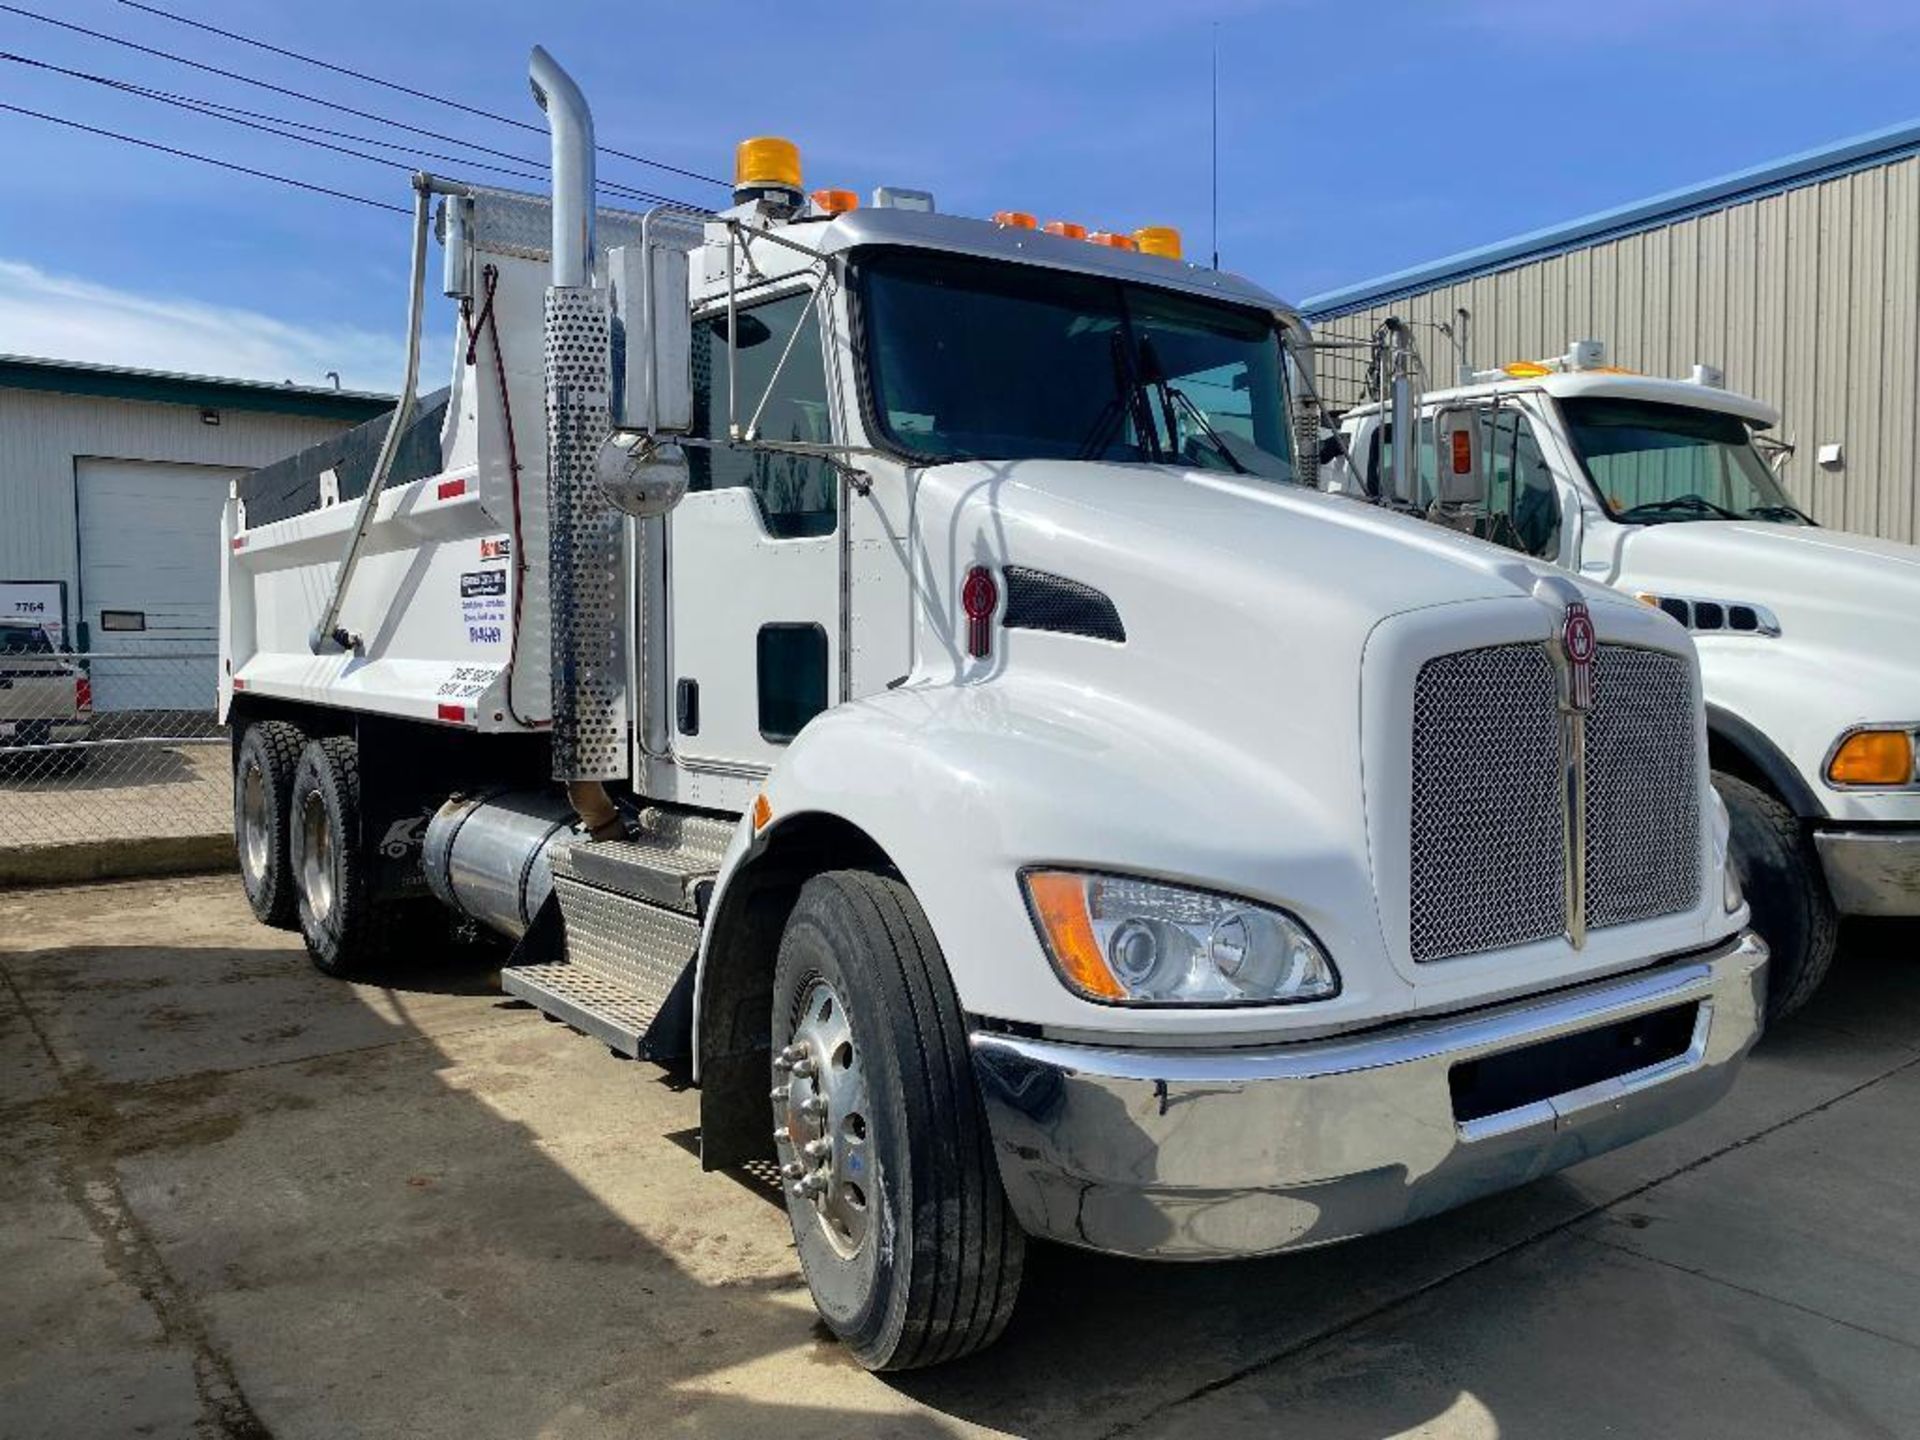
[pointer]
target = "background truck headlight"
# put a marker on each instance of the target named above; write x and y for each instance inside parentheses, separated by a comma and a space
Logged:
(1139, 942)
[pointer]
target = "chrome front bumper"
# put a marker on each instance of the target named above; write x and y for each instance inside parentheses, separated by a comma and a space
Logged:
(1202, 1154)
(1872, 872)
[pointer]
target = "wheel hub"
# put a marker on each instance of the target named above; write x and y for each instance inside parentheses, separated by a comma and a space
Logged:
(316, 856)
(820, 1108)
(255, 832)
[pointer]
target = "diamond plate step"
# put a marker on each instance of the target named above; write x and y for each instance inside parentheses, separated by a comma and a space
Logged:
(628, 973)
(608, 1012)
(667, 863)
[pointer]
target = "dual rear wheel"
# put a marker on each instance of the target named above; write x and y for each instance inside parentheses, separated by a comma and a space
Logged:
(296, 804)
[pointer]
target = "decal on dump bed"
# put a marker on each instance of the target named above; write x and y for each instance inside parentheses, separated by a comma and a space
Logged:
(483, 606)
(497, 549)
(467, 682)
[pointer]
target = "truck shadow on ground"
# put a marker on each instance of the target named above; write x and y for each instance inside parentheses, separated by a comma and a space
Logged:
(411, 1206)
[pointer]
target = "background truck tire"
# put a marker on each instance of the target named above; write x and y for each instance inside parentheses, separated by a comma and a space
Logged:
(262, 791)
(1780, 872)
(338, 918)
(938, 1269)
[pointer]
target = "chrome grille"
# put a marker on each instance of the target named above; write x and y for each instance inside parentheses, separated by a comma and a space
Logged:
(1486, 802)
(1643, 795)
(1488, 857)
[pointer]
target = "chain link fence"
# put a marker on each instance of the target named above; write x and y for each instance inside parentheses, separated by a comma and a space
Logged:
(111, 745)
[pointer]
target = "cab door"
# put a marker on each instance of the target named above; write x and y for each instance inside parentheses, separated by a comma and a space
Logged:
(753, 568)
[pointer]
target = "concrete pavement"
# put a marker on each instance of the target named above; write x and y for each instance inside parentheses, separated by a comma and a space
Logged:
(242, 1200)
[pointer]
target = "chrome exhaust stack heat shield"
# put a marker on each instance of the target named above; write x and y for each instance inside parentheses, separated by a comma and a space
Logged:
(586, 535)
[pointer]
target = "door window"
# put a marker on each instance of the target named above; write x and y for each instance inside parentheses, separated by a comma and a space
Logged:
(797, 494)
(1523, 509)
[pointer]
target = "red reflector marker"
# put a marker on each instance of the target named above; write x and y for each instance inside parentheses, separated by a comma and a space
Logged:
(979, 595)
(451, 488)
(1462, 453)
(239, 542)
(239, 684)
(82, 693)
(453, 712)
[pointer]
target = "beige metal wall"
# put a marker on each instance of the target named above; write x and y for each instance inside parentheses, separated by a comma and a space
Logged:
(1809, 299)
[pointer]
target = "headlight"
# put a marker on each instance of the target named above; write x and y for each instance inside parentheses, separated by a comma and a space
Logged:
(1139, 942)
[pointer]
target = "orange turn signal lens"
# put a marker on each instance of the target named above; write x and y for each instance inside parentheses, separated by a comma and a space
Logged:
(1161, 240)
(1524, 370)
(1873, 757)
(1065, 228)
(1060, 907)
(836, 202)
(762, 813)
(1015, 220)
(1114, 240)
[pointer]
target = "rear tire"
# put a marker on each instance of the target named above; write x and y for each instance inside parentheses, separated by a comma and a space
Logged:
(1780, 872)
(903, 1231)
(262, 789)
(338, 918)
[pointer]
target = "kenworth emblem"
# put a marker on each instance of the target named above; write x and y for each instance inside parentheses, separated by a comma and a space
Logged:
(1577, 642)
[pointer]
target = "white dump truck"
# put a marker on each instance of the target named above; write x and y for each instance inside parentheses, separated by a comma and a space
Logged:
(1659, 488)
(883, 661)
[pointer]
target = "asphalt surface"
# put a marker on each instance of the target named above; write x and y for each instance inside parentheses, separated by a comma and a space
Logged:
(240, 1200)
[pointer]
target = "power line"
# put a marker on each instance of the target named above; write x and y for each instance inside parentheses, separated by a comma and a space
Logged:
(309, 99)
(268, 124)
(203, 159)
(404, 89)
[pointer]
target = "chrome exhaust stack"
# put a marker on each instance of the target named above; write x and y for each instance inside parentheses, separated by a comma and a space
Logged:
(586, 579)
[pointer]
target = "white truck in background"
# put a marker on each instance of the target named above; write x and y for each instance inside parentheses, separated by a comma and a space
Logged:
(880, 659)
(1808, 647)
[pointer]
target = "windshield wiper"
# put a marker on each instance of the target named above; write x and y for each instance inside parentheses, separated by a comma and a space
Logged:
(1128, 399)
(1699, 504)
(1173, 400)
(1781, 511)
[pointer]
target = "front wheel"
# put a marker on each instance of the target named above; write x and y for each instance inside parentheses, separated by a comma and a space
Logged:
(903, 1231)
(1780, 871)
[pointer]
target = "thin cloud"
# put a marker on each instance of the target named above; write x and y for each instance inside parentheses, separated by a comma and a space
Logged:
(60, 317)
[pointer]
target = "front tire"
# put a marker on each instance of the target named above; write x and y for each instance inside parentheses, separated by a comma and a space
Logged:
(903, 1231)
(262, 790)
(336, 909)
(1780, 872)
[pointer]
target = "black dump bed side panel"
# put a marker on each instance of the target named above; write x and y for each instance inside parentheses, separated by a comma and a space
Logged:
(292, 486)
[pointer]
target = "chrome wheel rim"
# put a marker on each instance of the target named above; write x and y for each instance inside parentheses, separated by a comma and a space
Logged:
(821, 1127)
(256, 831)
(316, 856)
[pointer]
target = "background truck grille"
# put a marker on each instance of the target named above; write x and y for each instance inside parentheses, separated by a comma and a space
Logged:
(1487, 852)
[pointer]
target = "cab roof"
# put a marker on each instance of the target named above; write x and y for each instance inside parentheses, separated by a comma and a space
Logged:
(1612, 385)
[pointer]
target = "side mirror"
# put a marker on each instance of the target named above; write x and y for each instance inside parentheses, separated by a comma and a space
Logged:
(1459, 460)
(653, 339)
(640, 475)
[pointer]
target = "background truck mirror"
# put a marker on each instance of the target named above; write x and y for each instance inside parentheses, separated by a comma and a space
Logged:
(1460, 459)
(653, 347)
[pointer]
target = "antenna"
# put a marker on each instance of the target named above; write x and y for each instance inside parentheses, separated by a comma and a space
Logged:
(1215, 145)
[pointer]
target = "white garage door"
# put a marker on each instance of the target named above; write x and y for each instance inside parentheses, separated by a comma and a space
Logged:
(150, 580)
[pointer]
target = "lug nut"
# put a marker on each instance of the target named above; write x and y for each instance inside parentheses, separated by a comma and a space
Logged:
(793, 1169)
(814, 1184)
(814, 1105)
(803, 1067)
(818, 1149)
(780, 1093)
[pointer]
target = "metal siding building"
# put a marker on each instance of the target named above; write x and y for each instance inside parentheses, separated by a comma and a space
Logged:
(111, 482)
(1801, 279)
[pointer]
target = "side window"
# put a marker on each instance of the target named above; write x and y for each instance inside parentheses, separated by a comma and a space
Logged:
(797, 493)
(1380, 461)
(1523, 509)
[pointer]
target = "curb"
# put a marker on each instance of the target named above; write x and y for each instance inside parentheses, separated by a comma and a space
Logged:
(132, 858)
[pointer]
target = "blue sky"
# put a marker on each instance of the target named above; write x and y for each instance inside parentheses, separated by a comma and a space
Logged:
(1354, 139)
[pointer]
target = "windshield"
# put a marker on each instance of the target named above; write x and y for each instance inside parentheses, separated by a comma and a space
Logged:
(24, 640)
(982, 360)
(1654, 463)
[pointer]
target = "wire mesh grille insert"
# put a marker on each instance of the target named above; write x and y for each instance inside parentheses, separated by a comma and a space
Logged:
(1037, 600)
(1487, 848)
(1487, 851)
(1643, 806)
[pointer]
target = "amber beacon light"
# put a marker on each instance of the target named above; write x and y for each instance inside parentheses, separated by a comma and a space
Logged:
(766, 165)
(1161, 240)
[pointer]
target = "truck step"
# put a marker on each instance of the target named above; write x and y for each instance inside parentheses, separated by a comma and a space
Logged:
(595, 1006)
(669, 862)
(627, 972)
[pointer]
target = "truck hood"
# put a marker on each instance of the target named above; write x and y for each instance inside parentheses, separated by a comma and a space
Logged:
(1851, 593)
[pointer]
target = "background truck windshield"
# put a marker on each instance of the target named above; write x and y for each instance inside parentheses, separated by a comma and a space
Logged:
(1654, 462)
(981, 360)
